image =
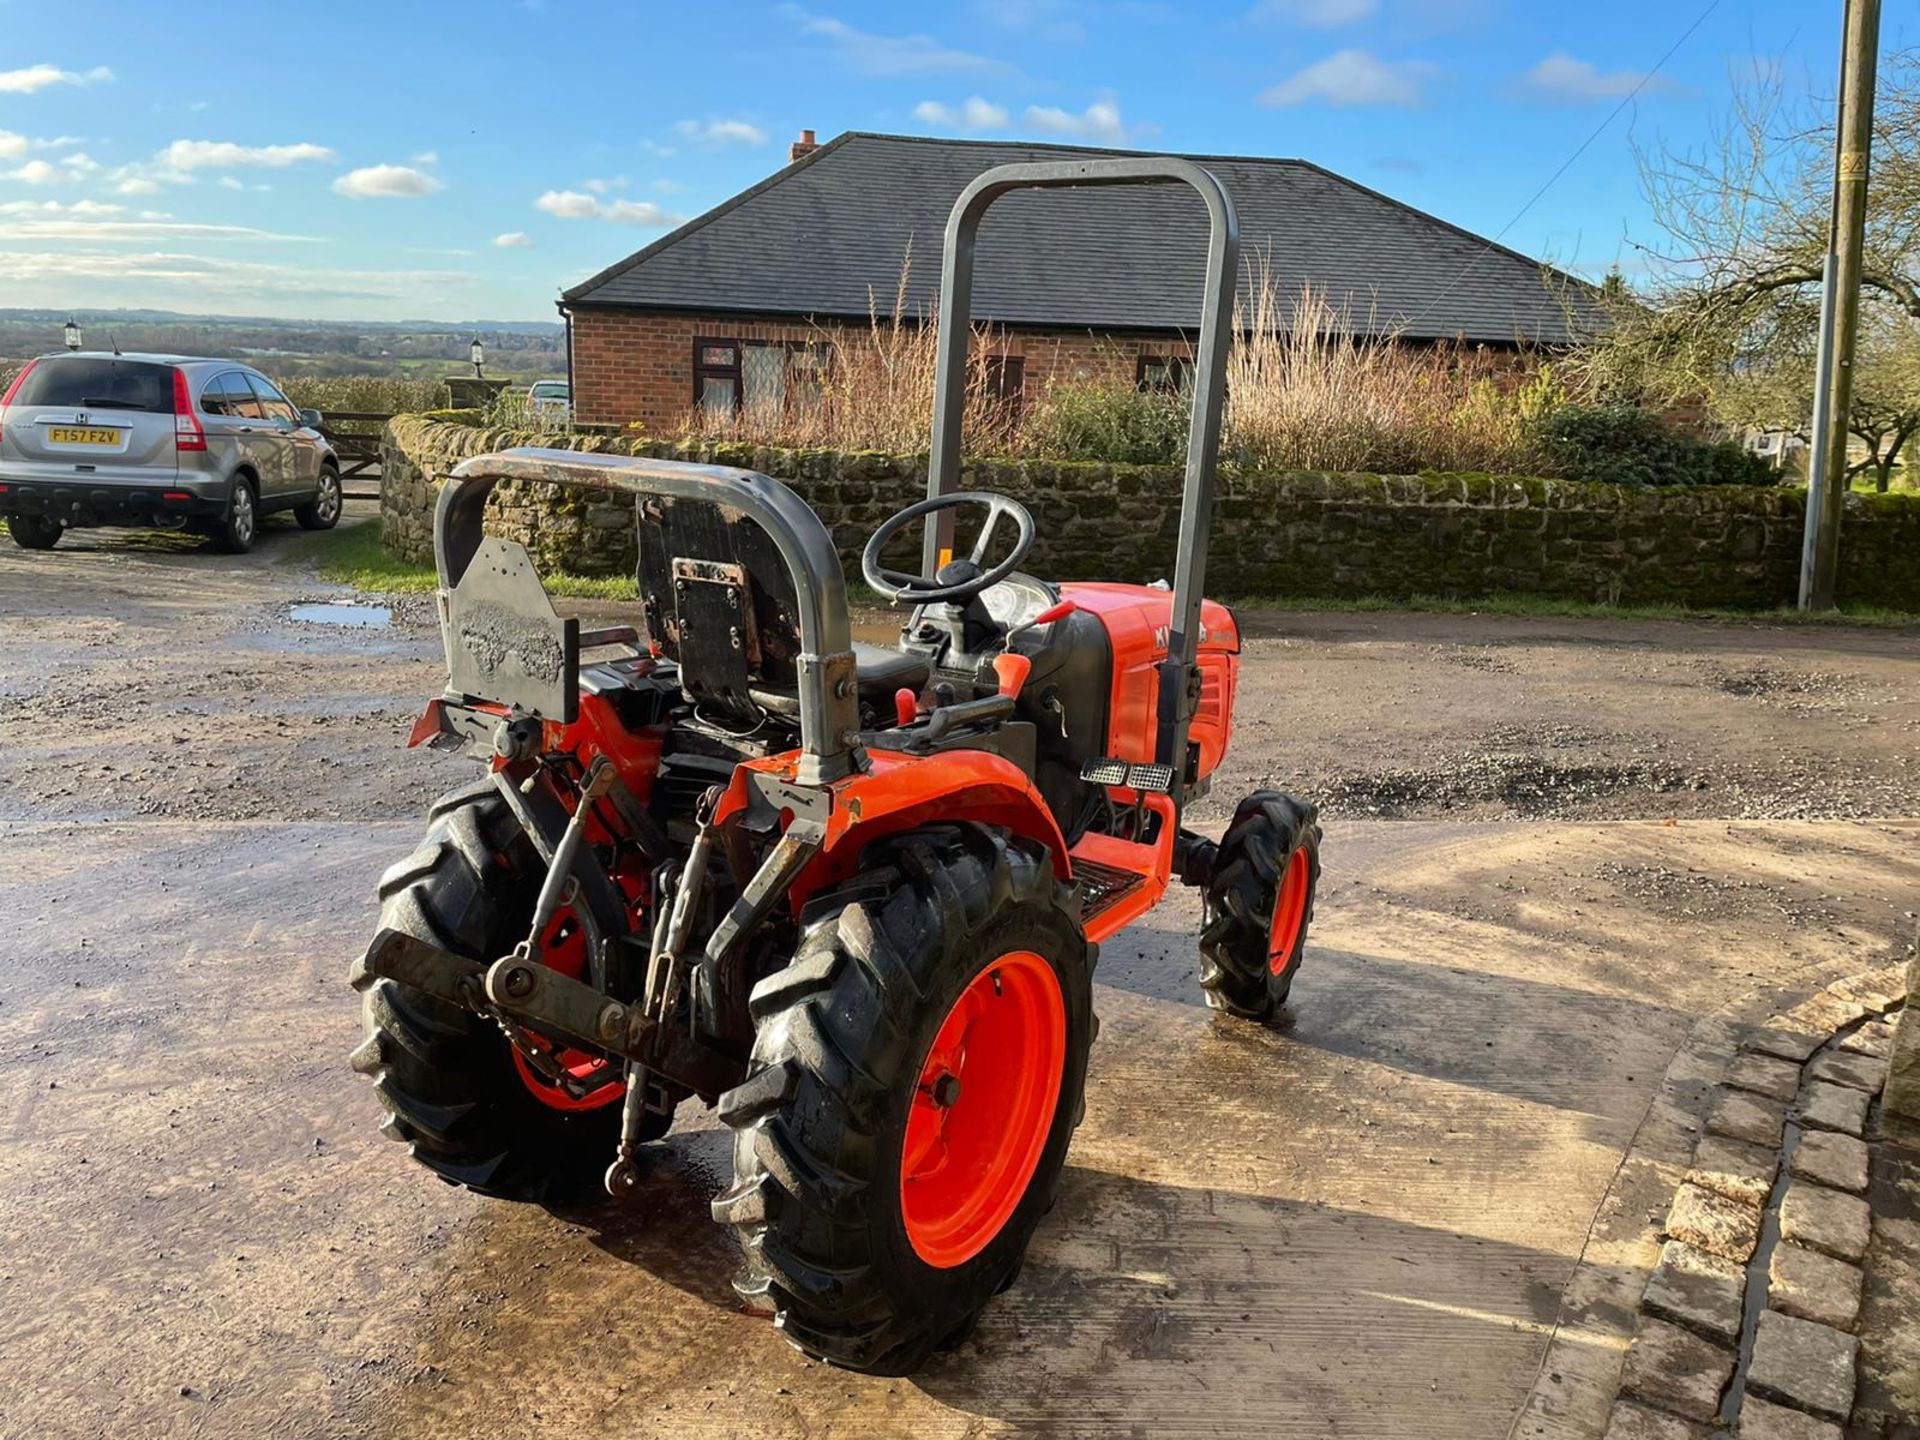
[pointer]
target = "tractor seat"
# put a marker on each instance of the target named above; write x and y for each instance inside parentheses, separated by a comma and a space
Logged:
(880, 672)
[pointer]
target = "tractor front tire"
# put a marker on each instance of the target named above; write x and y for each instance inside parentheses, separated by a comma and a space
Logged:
(918, 1069)
(1258, 905)
(445, 1074)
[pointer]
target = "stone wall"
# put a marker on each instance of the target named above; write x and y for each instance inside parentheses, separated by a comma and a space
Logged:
(1293, 534)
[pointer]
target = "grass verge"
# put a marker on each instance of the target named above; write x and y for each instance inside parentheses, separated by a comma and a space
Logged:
(351, 555)
(1552, 607)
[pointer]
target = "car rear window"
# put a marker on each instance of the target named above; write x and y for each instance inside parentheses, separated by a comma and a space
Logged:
(88, 384)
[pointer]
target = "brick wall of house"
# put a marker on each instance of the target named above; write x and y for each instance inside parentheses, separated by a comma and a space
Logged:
(633, 365)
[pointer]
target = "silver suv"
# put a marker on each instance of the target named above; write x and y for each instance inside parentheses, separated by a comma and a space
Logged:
(162, 441)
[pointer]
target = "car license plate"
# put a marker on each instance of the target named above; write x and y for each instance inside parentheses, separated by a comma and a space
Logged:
(82, 435)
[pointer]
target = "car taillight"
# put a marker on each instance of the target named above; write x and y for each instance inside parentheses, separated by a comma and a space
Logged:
(188, 434)
(14, 388)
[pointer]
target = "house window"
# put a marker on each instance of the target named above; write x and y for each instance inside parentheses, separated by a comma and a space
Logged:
(1165, 374)
(716, 375)
(762, 377)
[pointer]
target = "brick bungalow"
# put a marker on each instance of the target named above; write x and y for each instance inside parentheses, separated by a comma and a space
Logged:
(730, 308)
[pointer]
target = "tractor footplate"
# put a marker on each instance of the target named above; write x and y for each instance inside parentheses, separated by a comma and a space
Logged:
(1103, 886)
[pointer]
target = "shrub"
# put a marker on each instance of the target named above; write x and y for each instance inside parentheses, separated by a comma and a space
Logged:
(1108, 422)
(370, 393)
(1625, 445)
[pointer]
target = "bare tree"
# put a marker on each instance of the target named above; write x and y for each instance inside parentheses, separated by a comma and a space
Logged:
(1729, 314)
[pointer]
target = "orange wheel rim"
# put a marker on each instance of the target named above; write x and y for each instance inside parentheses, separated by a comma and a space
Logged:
(1289, 913)
(599, 1081)
(983, 1107)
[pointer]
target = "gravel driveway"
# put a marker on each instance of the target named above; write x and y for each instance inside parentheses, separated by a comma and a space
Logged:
(1552, 846)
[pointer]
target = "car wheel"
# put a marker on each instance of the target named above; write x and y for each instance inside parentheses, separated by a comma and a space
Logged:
(33, 532)
(235, 531)
(324, 512)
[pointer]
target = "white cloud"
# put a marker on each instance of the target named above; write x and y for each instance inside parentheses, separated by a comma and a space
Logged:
(69, 171)
(121, 231)
(887, 54)
(1561, 77)
(137, 185)
(1353, 77)
(1099, 122)
(12, 146)
(568, 205)
(40, 77)
(574, 205)
(186, 155)
(514, 240)
(427, 157)
(53, 208)
(601, 187)
(973, 113)
(227, 182)
(1315, 14)
(1050, 20)
(388, 181)
(117, 277)
(722, 132)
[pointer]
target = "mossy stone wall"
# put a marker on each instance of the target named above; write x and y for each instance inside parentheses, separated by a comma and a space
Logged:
(1729, 546)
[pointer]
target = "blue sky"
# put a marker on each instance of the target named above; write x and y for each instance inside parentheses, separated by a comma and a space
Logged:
(414, 160)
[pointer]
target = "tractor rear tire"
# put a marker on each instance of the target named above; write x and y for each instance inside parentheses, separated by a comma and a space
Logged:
(1259, 904)
(445, 1074)
(877, 1211)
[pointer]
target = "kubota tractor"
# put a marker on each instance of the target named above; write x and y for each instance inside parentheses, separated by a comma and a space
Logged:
(852, 896)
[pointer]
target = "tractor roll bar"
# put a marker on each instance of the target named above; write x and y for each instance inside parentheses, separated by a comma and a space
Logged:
(829, 704)
(1177, 695)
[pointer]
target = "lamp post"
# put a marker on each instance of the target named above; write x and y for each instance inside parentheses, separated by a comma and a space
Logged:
(476, 353)
(71, 333)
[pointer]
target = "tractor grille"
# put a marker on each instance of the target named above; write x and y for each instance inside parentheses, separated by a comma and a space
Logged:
(1102, 886)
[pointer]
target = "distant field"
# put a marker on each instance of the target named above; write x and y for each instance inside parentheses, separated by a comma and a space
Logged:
(301, 349)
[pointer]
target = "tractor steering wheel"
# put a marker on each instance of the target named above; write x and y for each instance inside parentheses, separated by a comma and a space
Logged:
(957, 579)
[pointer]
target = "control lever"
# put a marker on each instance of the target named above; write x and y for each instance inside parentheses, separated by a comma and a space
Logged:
(1059, 610)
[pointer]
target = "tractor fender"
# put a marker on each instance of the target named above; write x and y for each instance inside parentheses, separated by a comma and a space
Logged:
(901, 791)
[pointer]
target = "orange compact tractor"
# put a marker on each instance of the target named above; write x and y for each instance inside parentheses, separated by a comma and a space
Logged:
(851, 896)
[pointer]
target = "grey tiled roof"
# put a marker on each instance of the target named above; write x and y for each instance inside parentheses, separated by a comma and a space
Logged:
(824, 236)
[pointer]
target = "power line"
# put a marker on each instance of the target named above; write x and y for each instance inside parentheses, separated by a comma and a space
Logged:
(1568, 163)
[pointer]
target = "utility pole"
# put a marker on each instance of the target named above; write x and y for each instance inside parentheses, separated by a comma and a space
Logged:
(1833, 398)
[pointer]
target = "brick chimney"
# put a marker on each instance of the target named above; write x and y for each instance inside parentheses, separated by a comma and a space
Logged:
(802, 147)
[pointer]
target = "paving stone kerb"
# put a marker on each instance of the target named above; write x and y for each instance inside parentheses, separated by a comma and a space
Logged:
(1698, 1290)
(1813, 1286)
(1763, 1420)
(1827, 1220)
(1674, 1369)
(1862, 1072)
(1711, 1222)
(1805, 1365)
(1741, 1116)
(1735, 1168)
(1765, 1075)
(1902, 1096)
(1637, 1422)
(1827, 1106)
(1298, 533)
(1829, 1158)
